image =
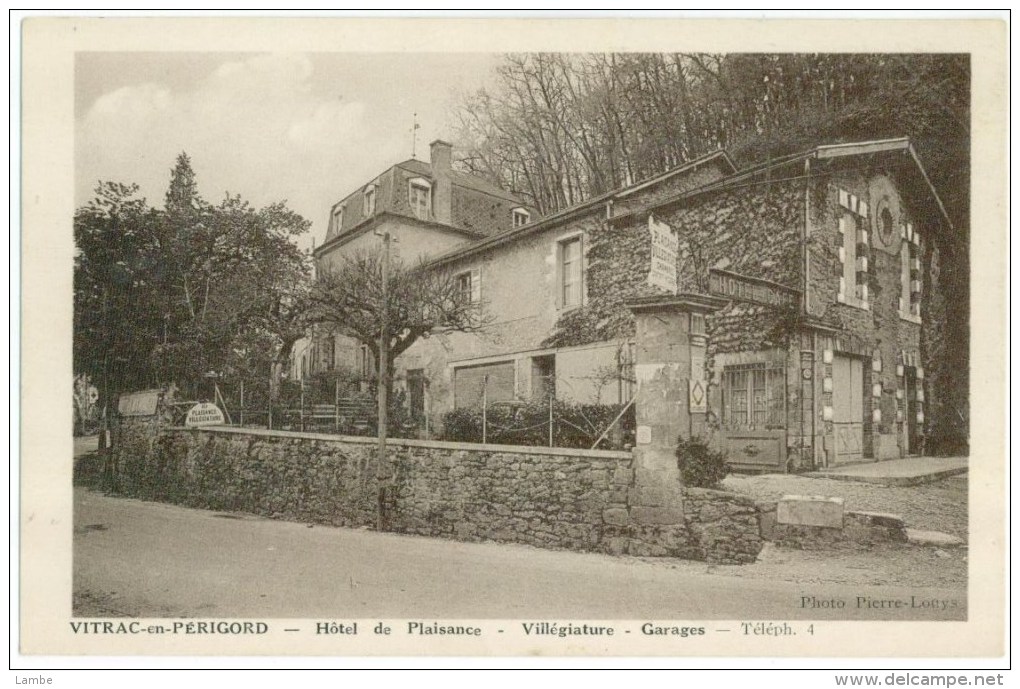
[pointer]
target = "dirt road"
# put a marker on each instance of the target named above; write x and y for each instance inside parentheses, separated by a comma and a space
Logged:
(138, 558)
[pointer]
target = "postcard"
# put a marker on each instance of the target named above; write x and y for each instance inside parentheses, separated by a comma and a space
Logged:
(512, 337)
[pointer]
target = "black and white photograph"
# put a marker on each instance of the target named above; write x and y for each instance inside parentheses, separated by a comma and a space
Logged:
(405, 346)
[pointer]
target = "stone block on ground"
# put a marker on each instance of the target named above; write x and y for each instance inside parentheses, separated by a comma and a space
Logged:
(810, 510)
(936, 538)
(873, 527)
(884, 519)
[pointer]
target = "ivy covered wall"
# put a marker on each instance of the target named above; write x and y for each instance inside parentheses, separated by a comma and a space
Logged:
(753, 230)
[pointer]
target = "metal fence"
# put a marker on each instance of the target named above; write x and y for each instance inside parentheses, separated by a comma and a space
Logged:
(309, 405)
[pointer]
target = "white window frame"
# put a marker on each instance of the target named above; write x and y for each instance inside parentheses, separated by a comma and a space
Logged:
(369, 200)
(910, 274)
(561, 244)
(850, 291)
(474, 280)
(424, 184)
(338, 219)
(520, 216)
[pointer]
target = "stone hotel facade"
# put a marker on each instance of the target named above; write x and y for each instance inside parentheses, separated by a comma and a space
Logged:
(790, 312)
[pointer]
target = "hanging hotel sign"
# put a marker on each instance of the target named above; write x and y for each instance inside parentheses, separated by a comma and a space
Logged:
(665, 245)
(756, 290)
(204, 414)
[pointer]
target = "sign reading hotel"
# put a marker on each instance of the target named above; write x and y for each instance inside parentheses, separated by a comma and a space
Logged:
(204, 414)
(665, 246)
(756, 290)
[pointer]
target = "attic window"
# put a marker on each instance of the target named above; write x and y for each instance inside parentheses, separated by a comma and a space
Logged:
(338, 219)
(419, 197)
(368, 207)
(520, 216)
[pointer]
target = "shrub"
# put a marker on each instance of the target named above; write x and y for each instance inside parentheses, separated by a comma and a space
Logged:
(527, 423)
(699, 465)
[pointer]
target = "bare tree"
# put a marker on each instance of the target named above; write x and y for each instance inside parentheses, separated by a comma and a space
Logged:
(421, 300)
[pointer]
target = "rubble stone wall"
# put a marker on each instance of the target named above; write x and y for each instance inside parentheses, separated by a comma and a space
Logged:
(549, 497)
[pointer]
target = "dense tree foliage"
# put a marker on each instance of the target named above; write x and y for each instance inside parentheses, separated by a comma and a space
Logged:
(169, 296)
(560, 128)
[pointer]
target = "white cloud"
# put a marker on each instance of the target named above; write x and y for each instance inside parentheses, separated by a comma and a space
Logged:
(330, 121)
(134, 102)
(254, 127)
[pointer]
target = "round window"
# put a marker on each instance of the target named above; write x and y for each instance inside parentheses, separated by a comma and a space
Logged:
(885, 226)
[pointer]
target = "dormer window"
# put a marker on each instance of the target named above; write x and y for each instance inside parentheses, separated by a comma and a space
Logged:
(419, 198)
(520, 216)
(338, 220)
(368, 207)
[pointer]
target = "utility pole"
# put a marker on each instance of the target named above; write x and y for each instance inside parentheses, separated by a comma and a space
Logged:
(382, 469)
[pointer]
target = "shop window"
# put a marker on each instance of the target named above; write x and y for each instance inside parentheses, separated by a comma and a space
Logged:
(419, 197)
(571, 272)
(753, 396)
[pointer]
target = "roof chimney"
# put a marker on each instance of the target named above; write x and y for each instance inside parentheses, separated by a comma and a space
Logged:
(442, 194)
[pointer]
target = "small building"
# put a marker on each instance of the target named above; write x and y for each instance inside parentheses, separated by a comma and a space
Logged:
(797, 302)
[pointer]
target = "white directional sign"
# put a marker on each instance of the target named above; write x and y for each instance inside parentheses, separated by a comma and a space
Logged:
(204, 414)
(665, 245)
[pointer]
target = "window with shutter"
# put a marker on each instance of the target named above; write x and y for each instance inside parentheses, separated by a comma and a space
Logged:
(910, 274)
(419, 197)
(853, 249)
(338, 221)
(469, 286)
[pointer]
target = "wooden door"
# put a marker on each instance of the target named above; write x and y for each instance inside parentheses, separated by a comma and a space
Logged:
(848, 408)
(416, 393)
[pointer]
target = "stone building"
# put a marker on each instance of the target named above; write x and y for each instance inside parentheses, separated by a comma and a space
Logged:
(789, 312)
(429, 208)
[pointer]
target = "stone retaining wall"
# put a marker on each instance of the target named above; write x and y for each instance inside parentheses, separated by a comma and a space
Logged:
(549, 497)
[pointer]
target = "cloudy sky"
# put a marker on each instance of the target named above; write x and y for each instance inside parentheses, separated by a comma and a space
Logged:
(305, 128)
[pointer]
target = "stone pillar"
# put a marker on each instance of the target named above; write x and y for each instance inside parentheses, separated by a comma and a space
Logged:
(665, 406)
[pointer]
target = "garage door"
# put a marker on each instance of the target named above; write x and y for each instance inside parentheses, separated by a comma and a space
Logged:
(848, 408)
(497, 381)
